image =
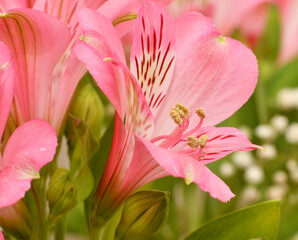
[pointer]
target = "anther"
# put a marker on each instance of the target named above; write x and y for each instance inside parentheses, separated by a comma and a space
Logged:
(193, 142)
(201, 113)
(203, 141)
(176, 116)
(183, 108)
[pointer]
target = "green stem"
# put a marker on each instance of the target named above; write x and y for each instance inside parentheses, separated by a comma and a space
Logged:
(261, 103)
(260, 93)
(60, 228)
(38, 189)
(96, 233)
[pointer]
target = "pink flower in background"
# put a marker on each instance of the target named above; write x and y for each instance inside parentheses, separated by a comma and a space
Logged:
(289, 29)
(170, 64)
(31, 146)
(230, 15)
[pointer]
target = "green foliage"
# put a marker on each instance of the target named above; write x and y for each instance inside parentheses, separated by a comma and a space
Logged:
(287, 76)
(98, 161)
(269, 45)
(260, 220)
(61, 194)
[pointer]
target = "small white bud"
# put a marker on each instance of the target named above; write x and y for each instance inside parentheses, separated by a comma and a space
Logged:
(250, 194)
(286, 98)
(292, 133)
(276, 192)
(268, 153)
(291, 164)
(242, 159)
(294, 175)
(279, 123)
(227, 169)
(254, 175)
(265, 132)
(280, 177)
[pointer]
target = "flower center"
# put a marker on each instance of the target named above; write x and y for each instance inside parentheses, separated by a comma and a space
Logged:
(193, 143)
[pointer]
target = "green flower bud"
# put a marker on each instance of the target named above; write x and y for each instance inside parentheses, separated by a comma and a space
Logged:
(87, 106)
(83, 127)
(61, 194)
(143, 215)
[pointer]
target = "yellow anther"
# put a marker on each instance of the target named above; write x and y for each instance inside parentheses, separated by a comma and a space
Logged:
(193, 142)
(201, 113)
(176, 116)
(203, 141)
(183, 108)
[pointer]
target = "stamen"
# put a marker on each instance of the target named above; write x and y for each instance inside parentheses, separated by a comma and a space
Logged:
(203, 141)
(193, 142)
(178, 113)
(183, 108)
(176, 116)
(201, 113)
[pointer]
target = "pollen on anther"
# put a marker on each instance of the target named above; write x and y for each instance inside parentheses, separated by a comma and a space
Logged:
(183, 108)
(193, 142)
(201, 113)
(203, 141)
(175, 116)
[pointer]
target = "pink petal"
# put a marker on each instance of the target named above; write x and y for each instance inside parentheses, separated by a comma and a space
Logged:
(95, 48)
(113, 9)
(1, 236)
(221, 142)
(192, 170)
(112, 76)
(10, 4)
(93, 21)
(152, 54)
(108, 77)
(142, 169)
(34, 38)
(212, 184)
(31, 146)
(94, 4)
(218, 74)
(6, 85)
(65, 11)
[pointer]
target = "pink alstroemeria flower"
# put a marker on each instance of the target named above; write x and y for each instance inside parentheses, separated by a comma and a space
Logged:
(31, 145)
(45, 90)
(184, 61)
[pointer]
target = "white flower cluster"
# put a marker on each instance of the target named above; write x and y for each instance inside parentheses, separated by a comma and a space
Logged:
(287, 98)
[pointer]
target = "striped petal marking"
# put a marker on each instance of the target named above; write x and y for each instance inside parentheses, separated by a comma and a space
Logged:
(152, 54)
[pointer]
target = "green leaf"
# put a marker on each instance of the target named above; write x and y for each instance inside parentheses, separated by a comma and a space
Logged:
(269, 45)
(286, 77)
(88, 141)
(84, 183)
(257, 221)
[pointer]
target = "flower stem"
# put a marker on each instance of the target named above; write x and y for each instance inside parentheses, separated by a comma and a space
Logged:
(60, 228)
(96, 233)
(38, 189)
